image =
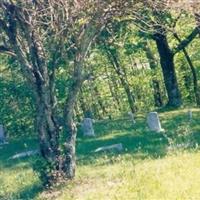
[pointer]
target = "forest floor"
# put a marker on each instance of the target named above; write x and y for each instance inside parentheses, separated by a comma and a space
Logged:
(153, 166)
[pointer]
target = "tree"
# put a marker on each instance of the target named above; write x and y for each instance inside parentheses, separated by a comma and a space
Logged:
(40, 35)
(109, 48)
(156, 20)
(193, 71)
(113, 58)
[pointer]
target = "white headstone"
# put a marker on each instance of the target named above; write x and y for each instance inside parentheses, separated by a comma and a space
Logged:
(190, 115)
(2, 135)
(87, 126)
(25, 154)
(153, 122)
(114, 147)
(132, 117)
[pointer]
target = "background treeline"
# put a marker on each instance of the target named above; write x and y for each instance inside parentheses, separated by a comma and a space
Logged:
(124, 73)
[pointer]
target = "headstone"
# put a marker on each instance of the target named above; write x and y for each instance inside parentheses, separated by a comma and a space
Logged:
(190, 115)
(114, 147)
(153, 122)
(87, 126)
(25, 154)
(132, 117)
(2, 135)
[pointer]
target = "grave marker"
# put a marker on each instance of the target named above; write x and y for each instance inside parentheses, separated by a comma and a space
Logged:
(87, 126)
(153, 122)
(132, 117)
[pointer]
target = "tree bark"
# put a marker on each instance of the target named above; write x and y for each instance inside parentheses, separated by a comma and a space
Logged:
(47, 129)
(69, 158)
(168, 68)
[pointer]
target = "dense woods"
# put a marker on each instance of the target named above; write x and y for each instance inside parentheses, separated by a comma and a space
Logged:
(64, 60)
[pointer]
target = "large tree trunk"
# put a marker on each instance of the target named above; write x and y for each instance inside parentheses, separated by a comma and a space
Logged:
(69, 158)
(46, 122)
(47, 129)
(168, 68)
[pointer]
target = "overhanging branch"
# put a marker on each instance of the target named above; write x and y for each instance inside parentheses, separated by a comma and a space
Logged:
(184, 43)
(7, 51)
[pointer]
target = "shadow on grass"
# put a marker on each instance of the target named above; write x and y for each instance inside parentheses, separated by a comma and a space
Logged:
(30, 192)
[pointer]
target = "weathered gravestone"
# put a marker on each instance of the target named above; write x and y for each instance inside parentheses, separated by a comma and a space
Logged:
(110, 148)
(190, 115)
(132, 117)
(25, 154)
(87, 126)
(2, 135)
(153, 122)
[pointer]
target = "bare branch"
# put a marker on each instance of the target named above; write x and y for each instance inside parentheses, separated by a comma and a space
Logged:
(186, 41)
(7, 51)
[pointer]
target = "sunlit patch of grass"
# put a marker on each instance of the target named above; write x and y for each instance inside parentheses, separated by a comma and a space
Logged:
(173, 177)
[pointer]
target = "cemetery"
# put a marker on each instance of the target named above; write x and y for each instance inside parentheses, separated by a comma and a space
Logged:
(118, 156)
(99, 100)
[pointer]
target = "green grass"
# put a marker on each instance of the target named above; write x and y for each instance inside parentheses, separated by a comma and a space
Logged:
(153, 166)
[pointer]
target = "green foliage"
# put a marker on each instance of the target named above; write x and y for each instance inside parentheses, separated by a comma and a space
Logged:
(17, 103)
(125, 40)
(149, 157)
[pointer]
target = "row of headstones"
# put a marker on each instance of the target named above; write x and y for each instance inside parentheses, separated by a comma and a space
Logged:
(153, 123)
(87, 125)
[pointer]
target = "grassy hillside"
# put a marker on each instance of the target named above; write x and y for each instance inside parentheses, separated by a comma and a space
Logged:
(152, 165)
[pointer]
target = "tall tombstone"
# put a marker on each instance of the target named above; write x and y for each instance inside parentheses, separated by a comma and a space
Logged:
(132, 117)
(153, 122)
(87, 126)
(2, 134)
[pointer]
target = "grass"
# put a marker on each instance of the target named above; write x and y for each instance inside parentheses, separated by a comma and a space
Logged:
(153, 166)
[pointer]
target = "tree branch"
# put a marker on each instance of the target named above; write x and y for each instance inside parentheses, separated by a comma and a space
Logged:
(7, 51)
(184, 43)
